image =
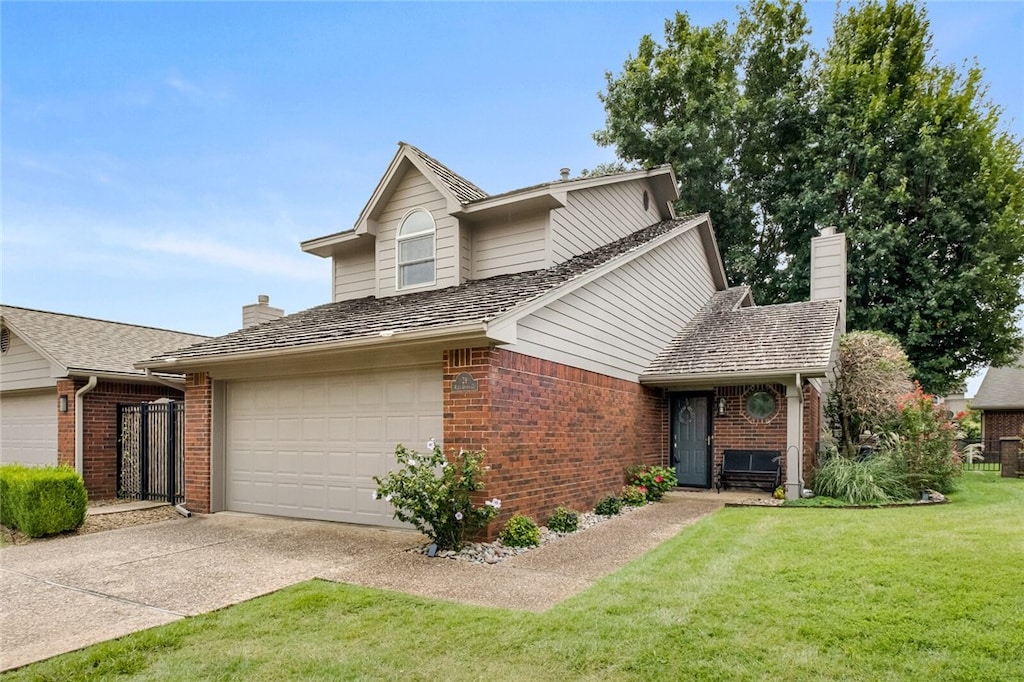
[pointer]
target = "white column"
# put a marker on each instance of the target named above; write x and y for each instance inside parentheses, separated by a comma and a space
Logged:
(794, 439)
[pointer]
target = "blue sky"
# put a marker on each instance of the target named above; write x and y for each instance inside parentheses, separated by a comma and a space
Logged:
(161, 162)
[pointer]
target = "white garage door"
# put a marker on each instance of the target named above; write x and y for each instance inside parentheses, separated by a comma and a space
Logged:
(28, 428)
(308, 447)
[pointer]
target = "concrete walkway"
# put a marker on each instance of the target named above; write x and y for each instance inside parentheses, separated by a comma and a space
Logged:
(64, 594)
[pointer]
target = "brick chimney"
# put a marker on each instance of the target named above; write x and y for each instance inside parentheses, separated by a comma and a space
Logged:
(828, 269)
(260, 312)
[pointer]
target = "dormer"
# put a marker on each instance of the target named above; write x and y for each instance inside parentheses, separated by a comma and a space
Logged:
(426, 227)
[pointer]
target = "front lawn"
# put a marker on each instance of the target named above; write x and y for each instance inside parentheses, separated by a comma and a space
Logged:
(754, 593)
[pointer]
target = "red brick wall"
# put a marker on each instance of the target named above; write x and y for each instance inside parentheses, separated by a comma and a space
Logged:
(735, 431)
(553, 434)
(99, 434)
(198, 426)
(998, 424)
(812, 427)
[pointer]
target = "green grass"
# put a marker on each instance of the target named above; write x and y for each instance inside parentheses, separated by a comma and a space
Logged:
(755, 593)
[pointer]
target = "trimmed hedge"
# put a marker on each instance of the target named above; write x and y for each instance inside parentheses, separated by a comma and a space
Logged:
(41, 501)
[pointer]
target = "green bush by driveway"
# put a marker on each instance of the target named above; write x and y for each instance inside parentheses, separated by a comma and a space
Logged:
(41, 501)
(757, 593)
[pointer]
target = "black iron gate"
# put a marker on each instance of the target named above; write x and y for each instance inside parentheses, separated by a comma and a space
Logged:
(151, 451)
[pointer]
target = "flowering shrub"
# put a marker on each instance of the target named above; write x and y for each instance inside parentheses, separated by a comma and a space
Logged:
(656, 480)
(434, 494)
(633, 495)
(923, 447)
(520, 531)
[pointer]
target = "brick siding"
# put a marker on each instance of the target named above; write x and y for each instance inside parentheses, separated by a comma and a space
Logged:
(996, 424)
(553, 434)
(198, 439)
(736, 431)
(99, 434)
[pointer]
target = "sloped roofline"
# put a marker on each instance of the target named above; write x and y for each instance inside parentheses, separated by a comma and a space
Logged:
(477, 204)
(61, 366)
(407, 156)
(499, 328)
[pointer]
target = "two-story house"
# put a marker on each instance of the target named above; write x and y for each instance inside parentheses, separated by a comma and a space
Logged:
(570, 329)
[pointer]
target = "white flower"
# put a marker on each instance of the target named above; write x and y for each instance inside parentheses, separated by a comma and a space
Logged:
(430, 444)
(458, 516)
(412, 462)
(374, 494)
(496, 503)
(387, 498)
(444, 464)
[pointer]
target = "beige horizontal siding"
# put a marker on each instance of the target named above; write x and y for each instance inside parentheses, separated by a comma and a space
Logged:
(599, 215)
(354, 273)
(514, 247)
(415, 191)
(617, 324)
(21, 367)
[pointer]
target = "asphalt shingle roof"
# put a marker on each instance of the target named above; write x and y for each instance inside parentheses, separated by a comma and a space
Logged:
(1002, 388)
(473, 301)
(724, 338)
(87, 344)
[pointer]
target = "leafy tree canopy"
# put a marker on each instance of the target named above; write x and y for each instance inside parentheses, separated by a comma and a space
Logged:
(905, 156)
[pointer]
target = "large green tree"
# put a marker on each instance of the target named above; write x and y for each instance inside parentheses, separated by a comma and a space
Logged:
(914, 169)
(904, 156)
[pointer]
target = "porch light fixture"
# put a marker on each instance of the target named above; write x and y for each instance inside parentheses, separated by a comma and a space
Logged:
(721, 407)
(62, 404)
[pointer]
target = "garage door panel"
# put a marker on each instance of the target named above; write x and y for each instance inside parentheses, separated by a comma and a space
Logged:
(309, 447)
(28, 428)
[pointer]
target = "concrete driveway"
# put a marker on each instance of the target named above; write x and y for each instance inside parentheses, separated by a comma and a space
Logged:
(64, 594)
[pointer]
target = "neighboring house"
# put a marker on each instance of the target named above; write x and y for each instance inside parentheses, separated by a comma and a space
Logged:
(570, 329)
(1000, 398)
(61, 377)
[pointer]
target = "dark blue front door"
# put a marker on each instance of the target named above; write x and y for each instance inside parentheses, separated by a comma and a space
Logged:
(691, 451)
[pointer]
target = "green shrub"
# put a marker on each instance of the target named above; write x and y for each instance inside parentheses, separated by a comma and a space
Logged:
(563, 520)
(633, 495)
(520, 531)
(609, 506)
(655, 480)
(434, 494)
(924, 445)
(41, 501)
(871, 481)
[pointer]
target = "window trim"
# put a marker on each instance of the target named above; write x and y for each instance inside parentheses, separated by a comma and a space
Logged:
(399, 238)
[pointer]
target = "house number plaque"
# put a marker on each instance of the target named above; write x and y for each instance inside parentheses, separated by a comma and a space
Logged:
(465, 383)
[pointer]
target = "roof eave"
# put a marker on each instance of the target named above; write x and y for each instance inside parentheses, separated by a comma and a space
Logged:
(465, 331)
(780, 375)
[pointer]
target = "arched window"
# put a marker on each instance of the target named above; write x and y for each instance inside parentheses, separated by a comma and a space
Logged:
(416, 249)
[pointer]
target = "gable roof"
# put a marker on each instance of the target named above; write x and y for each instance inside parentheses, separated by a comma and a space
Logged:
(83, 346)
(468, 201)
(1002, 388)
(730, 337)
(476, 308)
(464, 190)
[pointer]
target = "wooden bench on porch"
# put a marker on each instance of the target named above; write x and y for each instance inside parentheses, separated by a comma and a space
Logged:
(758, 468)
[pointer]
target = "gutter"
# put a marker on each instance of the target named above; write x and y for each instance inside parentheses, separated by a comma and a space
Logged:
(727, 377)
(170, 383)
(79, 418)
(382, 339)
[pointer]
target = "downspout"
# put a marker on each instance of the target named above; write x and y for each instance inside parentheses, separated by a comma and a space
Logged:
(795, 439)
(177, 386)
(79, 419)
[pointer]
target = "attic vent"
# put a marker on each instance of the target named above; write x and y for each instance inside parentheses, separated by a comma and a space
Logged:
(460, 357)
(5, 339)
